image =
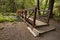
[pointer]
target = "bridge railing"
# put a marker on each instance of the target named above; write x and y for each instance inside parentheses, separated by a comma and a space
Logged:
(30, 15)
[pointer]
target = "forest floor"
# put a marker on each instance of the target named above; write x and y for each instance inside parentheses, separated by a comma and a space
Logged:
(19, 31)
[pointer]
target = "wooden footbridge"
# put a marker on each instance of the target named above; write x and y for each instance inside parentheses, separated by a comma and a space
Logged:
(38, 20)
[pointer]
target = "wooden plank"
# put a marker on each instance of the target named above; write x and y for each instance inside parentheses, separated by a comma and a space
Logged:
(36, 33)
(41, 30)
(45, 29)
(21, 18)
(38, 23)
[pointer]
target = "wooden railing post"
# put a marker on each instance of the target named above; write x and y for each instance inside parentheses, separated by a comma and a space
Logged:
(48, 16)
(34, 19)
(25, 14)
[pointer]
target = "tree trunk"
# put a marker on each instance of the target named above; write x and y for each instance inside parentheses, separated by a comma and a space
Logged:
(51, 5)
(38, 7)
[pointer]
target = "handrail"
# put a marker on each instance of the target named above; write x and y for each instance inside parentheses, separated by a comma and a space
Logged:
(30, 9)
(44, 10)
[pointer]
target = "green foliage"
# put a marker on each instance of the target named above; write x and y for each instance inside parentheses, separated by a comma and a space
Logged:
(11, 6)
(43, 4)
(2, 19)
(29, 3)
(7, 18)
(9, 14)
(7, 6)
(57, 10)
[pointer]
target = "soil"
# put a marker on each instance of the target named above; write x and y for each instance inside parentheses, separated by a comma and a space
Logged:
(19, 31)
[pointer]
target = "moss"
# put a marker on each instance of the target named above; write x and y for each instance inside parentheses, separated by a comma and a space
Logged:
(6, 19)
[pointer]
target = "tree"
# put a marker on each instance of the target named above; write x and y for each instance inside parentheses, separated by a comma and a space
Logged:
(12, 6)
(51, 5)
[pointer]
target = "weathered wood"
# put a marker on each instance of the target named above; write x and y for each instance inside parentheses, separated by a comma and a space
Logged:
(34, 19)
(29, 21)
(25, 14)
(38, 23)
(31, 14)
(45, 17)
(29, 9)
(41, 30)
(45, 29)
(35, 23)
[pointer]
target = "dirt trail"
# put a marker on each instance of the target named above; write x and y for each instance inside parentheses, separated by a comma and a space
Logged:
(19, 31)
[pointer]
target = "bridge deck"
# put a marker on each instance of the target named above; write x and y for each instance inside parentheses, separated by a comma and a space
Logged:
(38, 23)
